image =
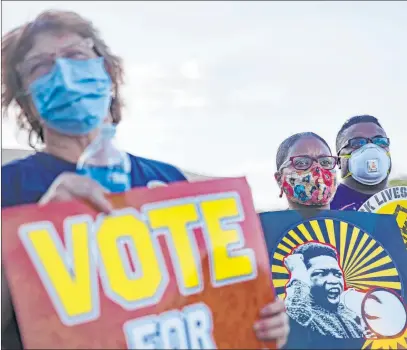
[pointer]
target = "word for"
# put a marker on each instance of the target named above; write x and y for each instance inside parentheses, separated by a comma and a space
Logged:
(388, 195)
(190, 329)
(124, 252)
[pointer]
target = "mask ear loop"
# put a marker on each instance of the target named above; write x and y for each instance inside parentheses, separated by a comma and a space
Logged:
(389, 155)
(347, 156)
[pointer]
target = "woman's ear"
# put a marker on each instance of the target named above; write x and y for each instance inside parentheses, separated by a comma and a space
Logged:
(277, 176)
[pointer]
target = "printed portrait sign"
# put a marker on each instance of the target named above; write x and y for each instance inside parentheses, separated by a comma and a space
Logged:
(392, 201)
(183, 266)
(343, 280)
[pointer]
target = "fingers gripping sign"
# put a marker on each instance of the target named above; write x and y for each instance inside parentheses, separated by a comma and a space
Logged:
(156, 183)
(69, 186)
(273, 323)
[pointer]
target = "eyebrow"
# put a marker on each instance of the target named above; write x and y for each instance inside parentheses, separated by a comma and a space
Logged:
(39, 54)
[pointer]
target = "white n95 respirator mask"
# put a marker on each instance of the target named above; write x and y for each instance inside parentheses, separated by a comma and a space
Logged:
(369, 165)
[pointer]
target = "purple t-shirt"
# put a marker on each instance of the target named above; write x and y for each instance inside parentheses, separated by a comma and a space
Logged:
(348, 199)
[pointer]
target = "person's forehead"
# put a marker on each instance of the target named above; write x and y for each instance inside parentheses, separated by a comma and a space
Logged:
(324, 261)
(310, 146)
(364, 130)
(49, 42)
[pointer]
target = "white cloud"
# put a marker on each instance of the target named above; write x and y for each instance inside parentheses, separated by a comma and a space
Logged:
(146, 71)
(191, 70)
(182, 98)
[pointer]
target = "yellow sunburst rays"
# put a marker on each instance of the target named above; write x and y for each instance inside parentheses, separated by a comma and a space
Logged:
(358, 271)
(387, 343)
(343, 232)
(287, 244)
(359, 255)
(331, 231)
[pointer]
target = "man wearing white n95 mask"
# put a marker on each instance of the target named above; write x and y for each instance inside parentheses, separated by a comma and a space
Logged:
(365, 163)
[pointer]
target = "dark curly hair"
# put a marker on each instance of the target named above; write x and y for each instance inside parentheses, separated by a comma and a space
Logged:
(313, 249)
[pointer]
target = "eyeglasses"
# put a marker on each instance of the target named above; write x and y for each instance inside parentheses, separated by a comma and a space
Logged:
(39, 65)
(305, 162)
(358, 142)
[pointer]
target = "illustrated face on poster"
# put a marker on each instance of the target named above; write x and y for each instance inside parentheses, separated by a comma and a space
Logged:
(321, 273)
(338, 281)
(391, 201)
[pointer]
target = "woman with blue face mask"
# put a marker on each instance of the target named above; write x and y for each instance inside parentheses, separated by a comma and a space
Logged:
(365, 163)
(65, 83)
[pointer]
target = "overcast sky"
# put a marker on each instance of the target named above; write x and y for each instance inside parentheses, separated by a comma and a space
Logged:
(214, 87)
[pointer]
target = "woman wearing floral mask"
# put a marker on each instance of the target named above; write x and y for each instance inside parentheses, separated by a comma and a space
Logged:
(306, 171)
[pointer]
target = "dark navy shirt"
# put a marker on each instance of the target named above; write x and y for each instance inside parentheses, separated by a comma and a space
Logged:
(26, 180)
(348, 199)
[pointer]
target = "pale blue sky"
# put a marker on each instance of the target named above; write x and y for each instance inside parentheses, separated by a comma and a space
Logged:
(214, 87)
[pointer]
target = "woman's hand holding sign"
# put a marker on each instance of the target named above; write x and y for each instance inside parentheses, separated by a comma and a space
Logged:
(273, 324)
(68, 186)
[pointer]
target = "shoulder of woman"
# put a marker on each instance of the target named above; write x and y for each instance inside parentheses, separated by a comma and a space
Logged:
(13, 175)
(11, 183)
(154, 168)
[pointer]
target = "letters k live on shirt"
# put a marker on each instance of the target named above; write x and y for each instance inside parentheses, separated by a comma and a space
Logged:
(348, 199)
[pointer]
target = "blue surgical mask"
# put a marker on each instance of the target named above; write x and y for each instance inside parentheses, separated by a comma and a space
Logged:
(74, 98)
(369, 165)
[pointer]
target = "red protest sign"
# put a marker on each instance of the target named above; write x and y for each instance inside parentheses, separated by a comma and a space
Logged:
(179, 266)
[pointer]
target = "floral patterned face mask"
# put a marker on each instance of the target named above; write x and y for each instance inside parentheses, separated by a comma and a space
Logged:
(314, 186)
